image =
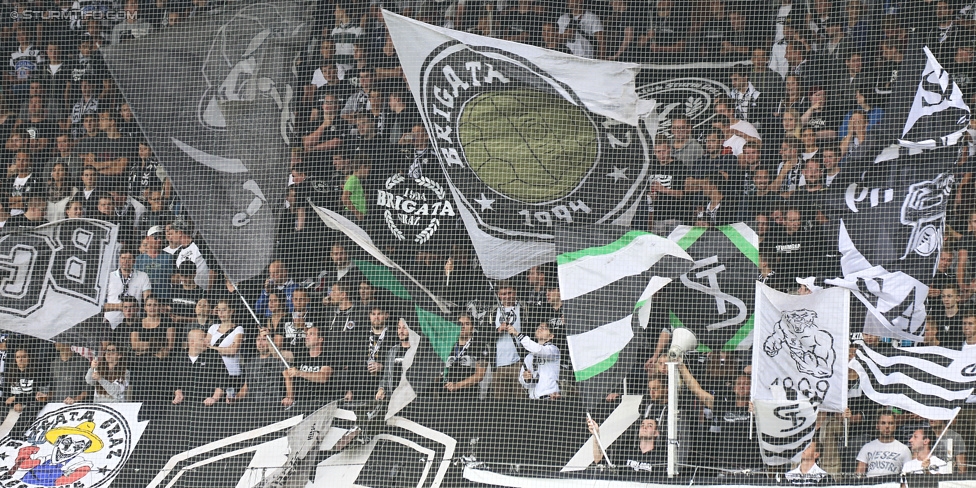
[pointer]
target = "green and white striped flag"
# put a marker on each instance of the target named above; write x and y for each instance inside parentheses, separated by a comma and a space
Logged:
(716, 299)
(607, 274)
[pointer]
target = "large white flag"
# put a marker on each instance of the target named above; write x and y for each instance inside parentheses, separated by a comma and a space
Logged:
(529, 139)
(800, 347)
(56, 275)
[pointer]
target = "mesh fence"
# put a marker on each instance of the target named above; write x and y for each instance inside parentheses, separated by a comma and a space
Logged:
(487, 243)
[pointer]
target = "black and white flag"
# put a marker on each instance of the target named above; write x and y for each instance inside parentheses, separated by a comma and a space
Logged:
(54, 276)
(892, 221)
(530, 140)
(785, 429)
(801, 346)
(932, 382)
(214, 96)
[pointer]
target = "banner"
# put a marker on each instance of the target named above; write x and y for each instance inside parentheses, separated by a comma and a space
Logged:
(605, 273)
(716, 298)
(81, 445)
(932, 382)
(800, 347)
(530, 139)
(57, 275)
(214, 96)
(785, 429)
(892, 221)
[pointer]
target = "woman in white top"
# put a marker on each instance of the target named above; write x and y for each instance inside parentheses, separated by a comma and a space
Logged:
(110, 376)
(225, 338)
(540, 370)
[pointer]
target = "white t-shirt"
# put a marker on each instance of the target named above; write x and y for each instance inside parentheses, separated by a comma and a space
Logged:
(506, 352)
(232, 363)
(135, 287)
(543, 363)
(815, 474)
(884, 459)
(936, 466)
(587, 25)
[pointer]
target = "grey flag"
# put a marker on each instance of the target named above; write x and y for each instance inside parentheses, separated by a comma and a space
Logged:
(214, 96)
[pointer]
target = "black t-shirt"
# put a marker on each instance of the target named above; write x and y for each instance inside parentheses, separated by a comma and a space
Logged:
(184, 302)
(626, 451)
(198, 379)
(801, 254)
(672, 176)
(463, 360)
(309, 391)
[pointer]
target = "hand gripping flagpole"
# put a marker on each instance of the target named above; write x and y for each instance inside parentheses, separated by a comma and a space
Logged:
(271, 343)
(939, 439)
(596, 437)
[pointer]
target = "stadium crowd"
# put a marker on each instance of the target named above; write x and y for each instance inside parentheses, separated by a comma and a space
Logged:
(815, 79)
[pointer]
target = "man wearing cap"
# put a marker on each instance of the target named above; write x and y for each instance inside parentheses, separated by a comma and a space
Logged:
(189, 251)
(124, 281)
(159, 266)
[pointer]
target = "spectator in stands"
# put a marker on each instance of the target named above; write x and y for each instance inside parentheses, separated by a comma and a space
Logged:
(86, 105)
(303, 315)
(262, 396)
(638, 450)
(621, 28)
(467, 364)
(393, 362)
(306, 381)
(713, 158)
(226, 337)
(34, 215)
(363, 373)
(90, 192)
(957, 454)
(923, 461)
(540, 372)
(744, 96)
(278, 315)
(67, 375)
(948, 316)
(279, 282)
(731, 420)
(666, 191)
(109, 375)
(684, 148)
(199, 379)
(884, 455)
(59, 188)
(24, 62)
(146, 173)
(581, 31)
(156, 335)
(75, 209)
(125, 281)
(345, 314)
(157, 264)
(64, 154)
(808, 471)
(711, 207)
(504, 380)
(132, 27)
(24, 383)
(185, 298)
(189, 251)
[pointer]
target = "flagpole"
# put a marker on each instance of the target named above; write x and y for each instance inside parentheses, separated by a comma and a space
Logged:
(596, 437)
(274, 347)
(946, 429)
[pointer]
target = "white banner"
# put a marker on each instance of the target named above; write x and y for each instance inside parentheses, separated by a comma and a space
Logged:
(56, 275)
(785, 429)
(800, 347)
